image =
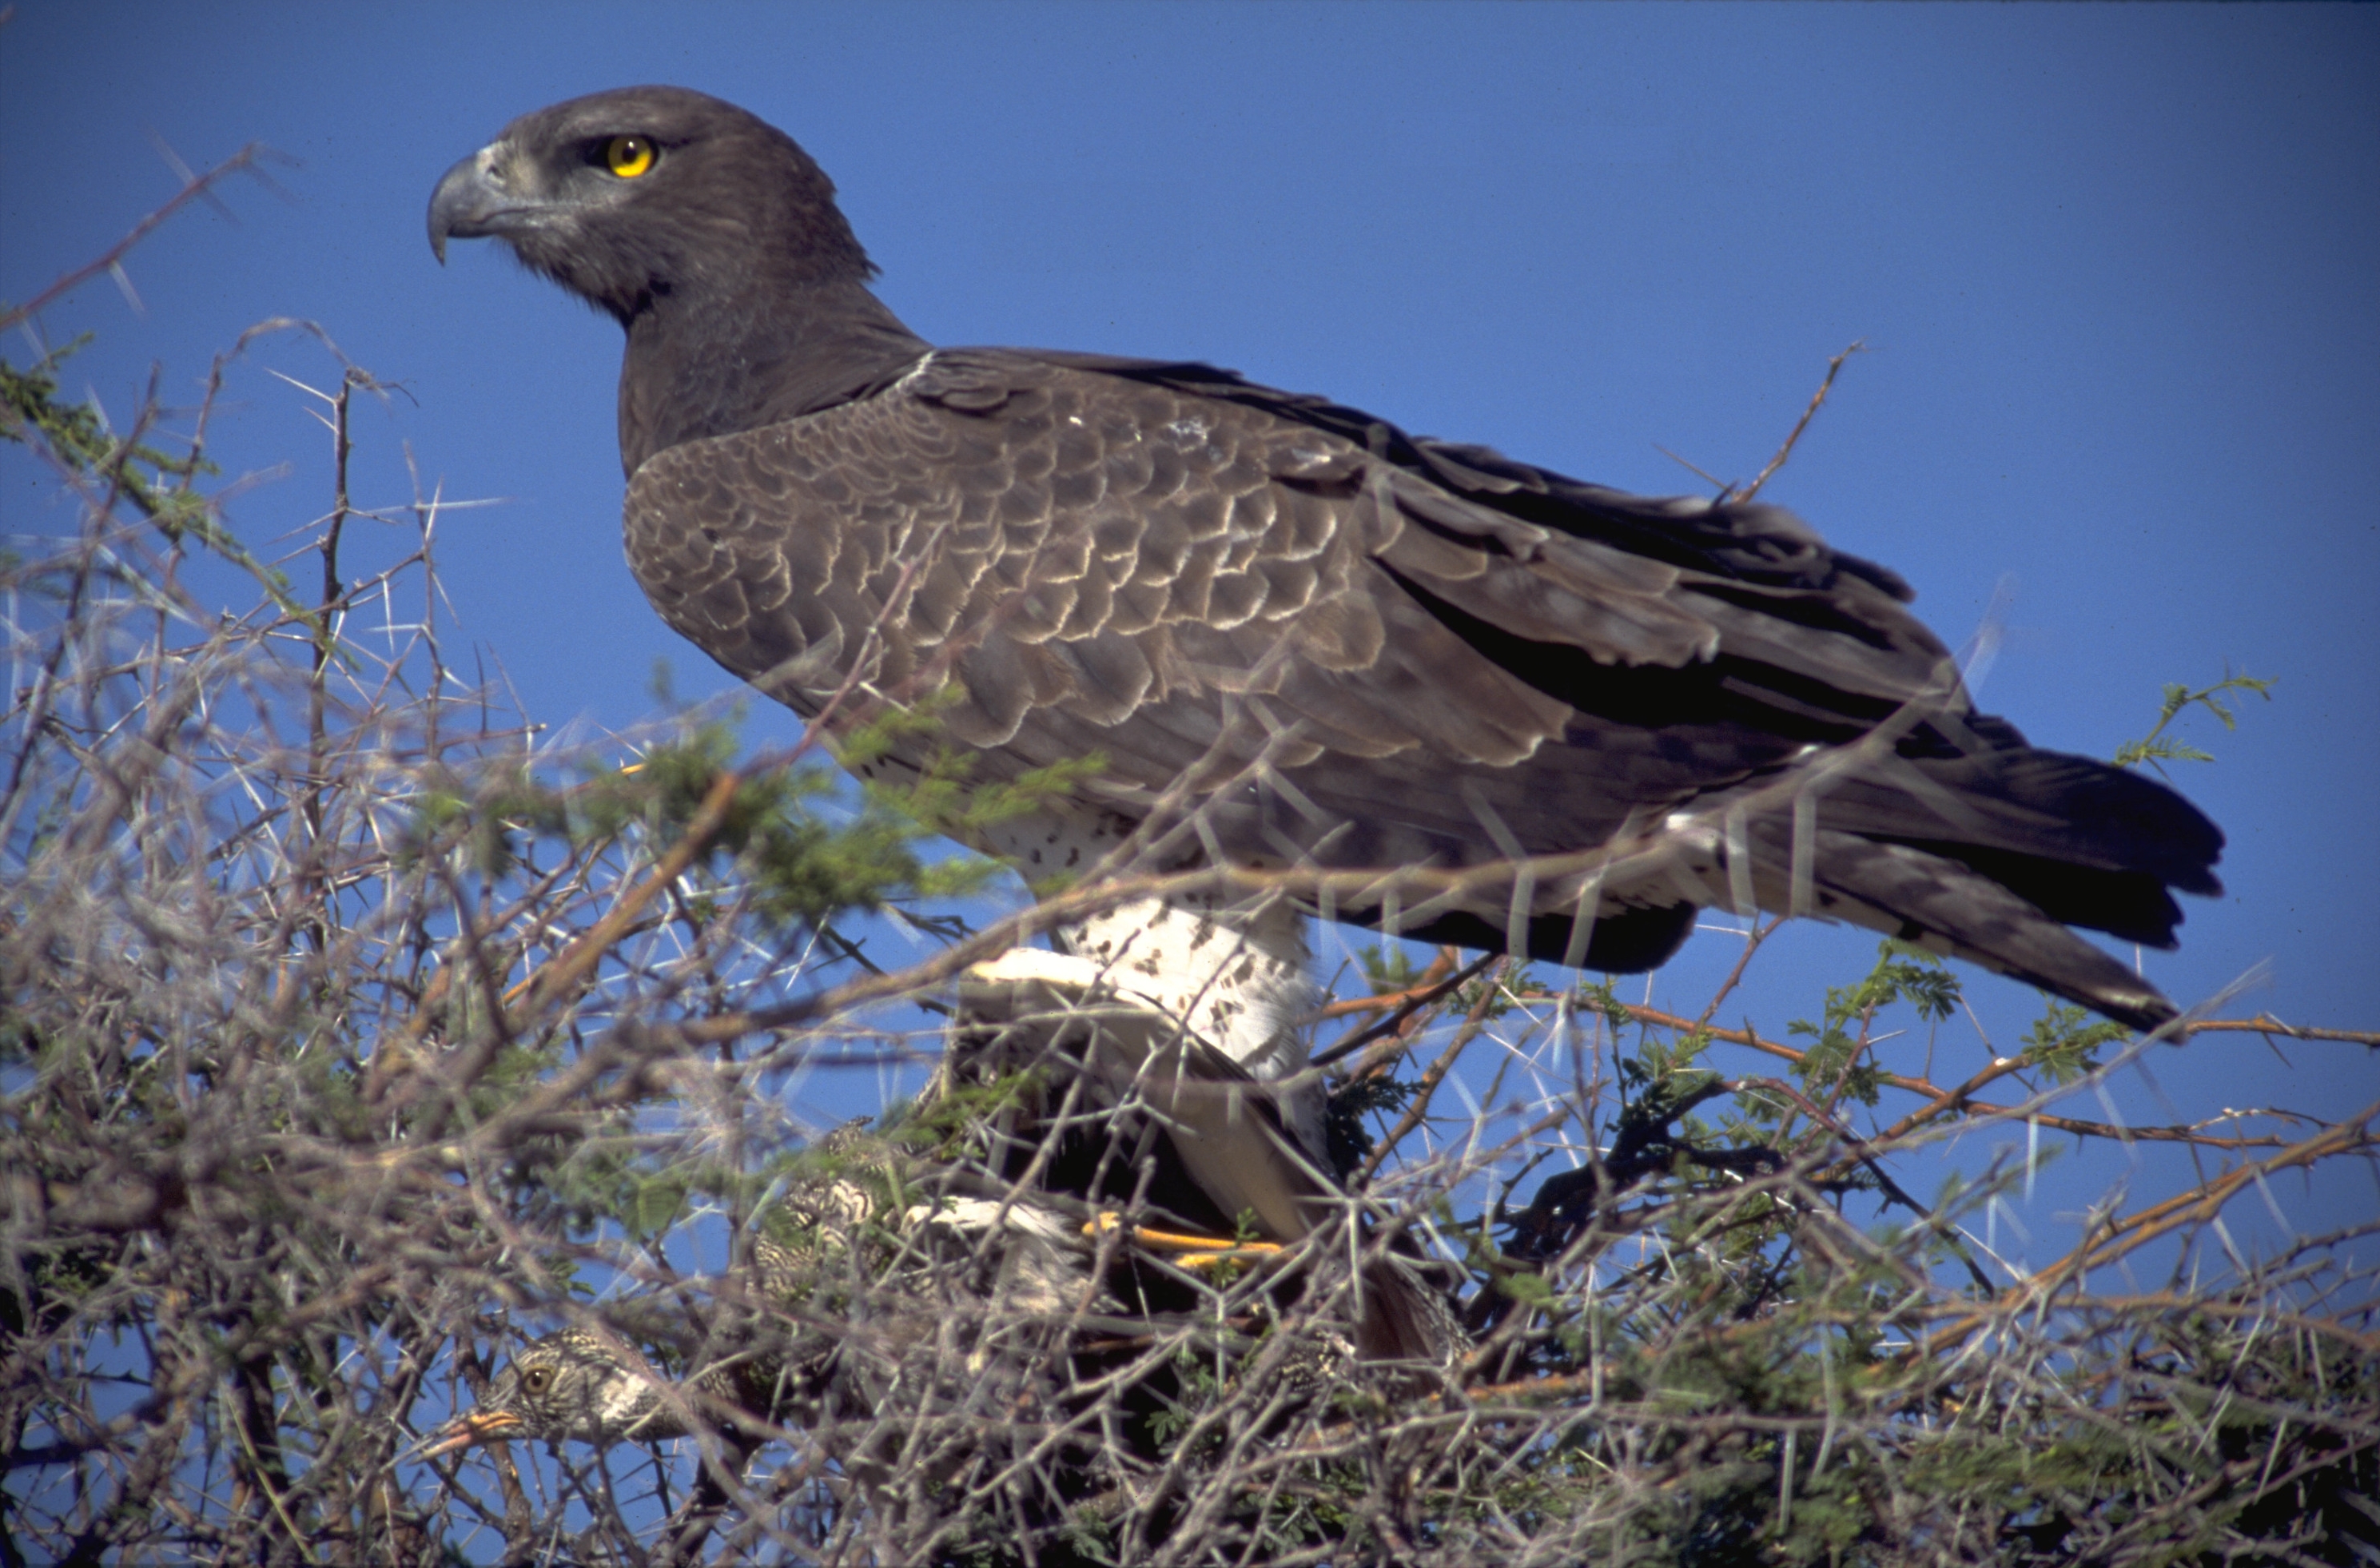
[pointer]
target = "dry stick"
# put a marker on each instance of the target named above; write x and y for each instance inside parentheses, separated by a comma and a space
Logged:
(1960, 1098)
(1639, 853)
(543, 985)
(2266, 1024)
(2135, 1231)
(1420, 1107)
(246, 158)
(1413, 1001)
(98, 509)
(577, 960)
(2166, 1304)
(317, 694)
(1423, 987)
(1859, 1150)
(623, 1045)
(2204, 1202)
(390, 1052)
(1956, 1099)
(1834, 368)
(1758, 934)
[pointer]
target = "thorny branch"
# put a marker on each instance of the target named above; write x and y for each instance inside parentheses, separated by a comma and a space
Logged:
(348, 1033)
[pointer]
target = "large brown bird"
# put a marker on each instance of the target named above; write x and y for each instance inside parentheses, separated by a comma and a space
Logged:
(1420, 685)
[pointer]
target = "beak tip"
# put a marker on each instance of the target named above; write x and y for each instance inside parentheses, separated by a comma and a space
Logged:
(464, 198)
(465, 1431)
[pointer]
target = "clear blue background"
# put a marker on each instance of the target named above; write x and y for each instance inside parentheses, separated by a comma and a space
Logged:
(2115, 267)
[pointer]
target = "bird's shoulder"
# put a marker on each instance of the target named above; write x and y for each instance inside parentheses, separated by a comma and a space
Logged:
(1033, 450)
(1023, 502)
(1082, 540)
(1312, 440)
(1003, 442)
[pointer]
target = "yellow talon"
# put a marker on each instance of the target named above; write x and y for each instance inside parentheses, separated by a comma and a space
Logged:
(1196, 1251)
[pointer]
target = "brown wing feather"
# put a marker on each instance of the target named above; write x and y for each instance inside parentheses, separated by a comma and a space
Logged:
(1441, 654)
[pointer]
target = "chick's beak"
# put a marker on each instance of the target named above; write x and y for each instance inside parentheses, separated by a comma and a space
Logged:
(478, 1427)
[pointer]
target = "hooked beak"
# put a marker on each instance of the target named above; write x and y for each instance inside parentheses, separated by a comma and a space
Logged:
(470, 201)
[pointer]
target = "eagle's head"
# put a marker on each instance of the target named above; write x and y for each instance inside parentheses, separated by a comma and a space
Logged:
(627, 197)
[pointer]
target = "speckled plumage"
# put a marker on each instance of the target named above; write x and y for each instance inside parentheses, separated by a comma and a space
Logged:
(865, 1273)
(572, 1385)
(1247, 1134)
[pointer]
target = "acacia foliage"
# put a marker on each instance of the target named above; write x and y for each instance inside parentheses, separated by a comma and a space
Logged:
(347, 1035)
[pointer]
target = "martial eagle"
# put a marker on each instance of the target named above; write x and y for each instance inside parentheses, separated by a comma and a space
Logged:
(1416, 684)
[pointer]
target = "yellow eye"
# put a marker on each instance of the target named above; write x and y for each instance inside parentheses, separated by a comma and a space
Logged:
(535, 1378)
(629, 156)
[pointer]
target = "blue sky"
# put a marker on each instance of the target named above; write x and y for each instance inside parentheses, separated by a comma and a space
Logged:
(2114, 267)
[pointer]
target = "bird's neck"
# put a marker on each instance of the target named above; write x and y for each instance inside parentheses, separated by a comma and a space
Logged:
(716, 364)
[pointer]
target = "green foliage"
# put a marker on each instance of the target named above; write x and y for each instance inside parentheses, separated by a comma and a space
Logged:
(2065, 1041)
(1346, 1112)
(153, 481)
(1198, 1389)
(1388, 966)
(951, 1125)
(2156, 751)
(944, 795)
(1665, 1070)
(1492, 995)
(1837, 1065)
(157, 484)
(1661, 1084)
(795, 867)
(320, 1057)
(1603, 997)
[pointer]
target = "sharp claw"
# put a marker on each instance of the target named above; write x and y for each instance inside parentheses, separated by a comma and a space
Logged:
(1196, 1251)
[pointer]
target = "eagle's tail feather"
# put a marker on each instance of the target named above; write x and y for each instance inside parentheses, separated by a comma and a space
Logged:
(2089, 843)
(1956, 910)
